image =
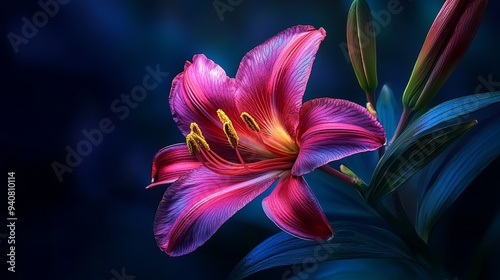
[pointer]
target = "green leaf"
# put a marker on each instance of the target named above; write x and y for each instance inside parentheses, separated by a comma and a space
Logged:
(449, 176)
(410, 157)
(352, 241)
(398, 158)
(449, 110)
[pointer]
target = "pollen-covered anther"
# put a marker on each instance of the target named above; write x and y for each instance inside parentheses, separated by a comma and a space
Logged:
(196, 129)
(193, 147)
(232, 136)
(227, 126)
(195, 143)
(222, 116)
(250, 121)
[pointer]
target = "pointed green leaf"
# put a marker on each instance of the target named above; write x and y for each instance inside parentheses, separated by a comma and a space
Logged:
(456, 110)
(410, 157)
(449, 177)
(458, 107)
(352, 241)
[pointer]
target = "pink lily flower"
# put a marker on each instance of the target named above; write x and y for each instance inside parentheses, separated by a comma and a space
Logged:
(244, 133)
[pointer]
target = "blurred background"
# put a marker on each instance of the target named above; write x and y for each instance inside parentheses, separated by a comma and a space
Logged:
(67, 69)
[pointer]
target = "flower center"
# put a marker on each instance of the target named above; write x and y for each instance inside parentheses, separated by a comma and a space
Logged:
(199, 147)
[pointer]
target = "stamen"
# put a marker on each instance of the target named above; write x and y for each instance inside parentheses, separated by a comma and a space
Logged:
(196, 129)
(227, 126)
(193, 147)
(232, 136)
(200, 140)
(195, 143)
(250, 121)
(222, 116)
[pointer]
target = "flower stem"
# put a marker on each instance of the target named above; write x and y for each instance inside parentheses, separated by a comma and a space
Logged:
(339, 175)
(403, 121)
(351, 181)
(370, 97)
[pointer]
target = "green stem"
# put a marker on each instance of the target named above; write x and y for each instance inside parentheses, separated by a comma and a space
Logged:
(403, 121)
(370, 97)
(352, 181)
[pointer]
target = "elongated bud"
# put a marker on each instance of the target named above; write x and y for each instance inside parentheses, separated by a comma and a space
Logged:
(447, 41)
(344, 169)
(361, 45)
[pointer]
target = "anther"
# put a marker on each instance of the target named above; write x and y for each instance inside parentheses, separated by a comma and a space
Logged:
(196, 129)
(227, 126)
(192, 145)
(222, 116)
(232, 136)
(250, 121)
(195, 143)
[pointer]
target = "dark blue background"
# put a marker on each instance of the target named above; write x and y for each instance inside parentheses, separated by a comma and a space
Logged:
(99, 218)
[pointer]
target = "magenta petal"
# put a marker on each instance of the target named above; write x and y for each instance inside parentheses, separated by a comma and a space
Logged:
(196, 95)
(272, 77)
(197, 204)
(170, 163)
(293, 207)
(331, 129)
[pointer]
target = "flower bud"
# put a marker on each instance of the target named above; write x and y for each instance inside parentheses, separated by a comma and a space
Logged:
(449, 37)
(361, 46)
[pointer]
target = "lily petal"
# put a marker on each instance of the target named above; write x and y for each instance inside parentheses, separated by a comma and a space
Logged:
(197, 94)
(170, 163)
(272, 78)
(197, 204)
(293, 207)
(331, 129)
